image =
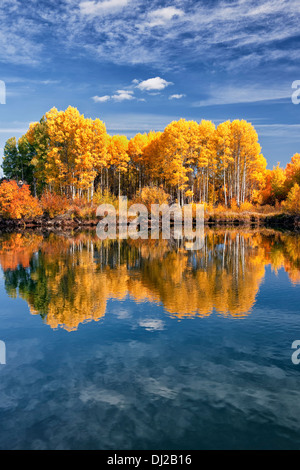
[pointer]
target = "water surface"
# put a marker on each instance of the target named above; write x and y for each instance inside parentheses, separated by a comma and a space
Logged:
(147, 345)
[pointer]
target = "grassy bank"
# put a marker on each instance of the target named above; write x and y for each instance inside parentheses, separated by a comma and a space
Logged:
(273, 219)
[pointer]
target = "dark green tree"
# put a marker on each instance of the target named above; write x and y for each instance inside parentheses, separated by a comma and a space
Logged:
(17, 160)
(11, 165)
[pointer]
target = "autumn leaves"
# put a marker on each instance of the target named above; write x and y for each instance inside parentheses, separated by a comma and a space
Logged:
(73, 156)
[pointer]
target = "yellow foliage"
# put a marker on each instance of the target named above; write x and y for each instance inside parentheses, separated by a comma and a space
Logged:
(247, 207)
(151, 195)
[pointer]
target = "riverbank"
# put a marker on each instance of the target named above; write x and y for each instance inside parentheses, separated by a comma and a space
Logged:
(277, 220)
(230, 219)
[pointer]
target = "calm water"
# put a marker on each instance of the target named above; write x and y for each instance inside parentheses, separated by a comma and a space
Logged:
(144, 345)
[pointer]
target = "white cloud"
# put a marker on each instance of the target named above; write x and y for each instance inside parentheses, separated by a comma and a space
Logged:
(94, 8)
(123, 95)
(130, 92)
(153, 84)
(176, 97)
(120, 95)
(101, 99)
(161, 16)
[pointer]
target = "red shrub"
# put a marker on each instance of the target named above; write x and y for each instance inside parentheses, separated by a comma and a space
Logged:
(16, 202)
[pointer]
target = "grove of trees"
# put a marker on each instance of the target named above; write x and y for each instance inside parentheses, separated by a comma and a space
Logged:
(68, 155)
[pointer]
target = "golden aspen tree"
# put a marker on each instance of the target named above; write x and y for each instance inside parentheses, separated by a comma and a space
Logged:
(90, 143)
(61, 157)
(77, 149)
(152, 158)
(205, 157)
(174, 146)
(136, 148)
(100, 148)
(118, 156)
(223, 155)
(247, 159)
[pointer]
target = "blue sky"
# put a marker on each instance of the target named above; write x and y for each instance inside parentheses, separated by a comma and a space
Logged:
(138, 65)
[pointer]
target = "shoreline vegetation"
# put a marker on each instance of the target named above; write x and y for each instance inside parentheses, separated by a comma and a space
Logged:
(66, 165)
(278, 220)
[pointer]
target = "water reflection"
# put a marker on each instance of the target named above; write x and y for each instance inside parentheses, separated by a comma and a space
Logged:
(68, 280)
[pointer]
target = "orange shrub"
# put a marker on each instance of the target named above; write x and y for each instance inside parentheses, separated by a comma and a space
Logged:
(53, 204)
(17, 202)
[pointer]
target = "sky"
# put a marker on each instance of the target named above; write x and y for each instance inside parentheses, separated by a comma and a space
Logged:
(138, 65)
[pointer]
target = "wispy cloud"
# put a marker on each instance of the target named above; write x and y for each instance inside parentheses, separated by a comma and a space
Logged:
(132, 123)
(94, 8)
(161, 16)
(288, 131)
(30, 81)
(233, 34)
(12, 131)
(245, 94)
(225, 32)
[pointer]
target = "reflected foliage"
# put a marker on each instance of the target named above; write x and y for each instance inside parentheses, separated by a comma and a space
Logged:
(68, 280)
